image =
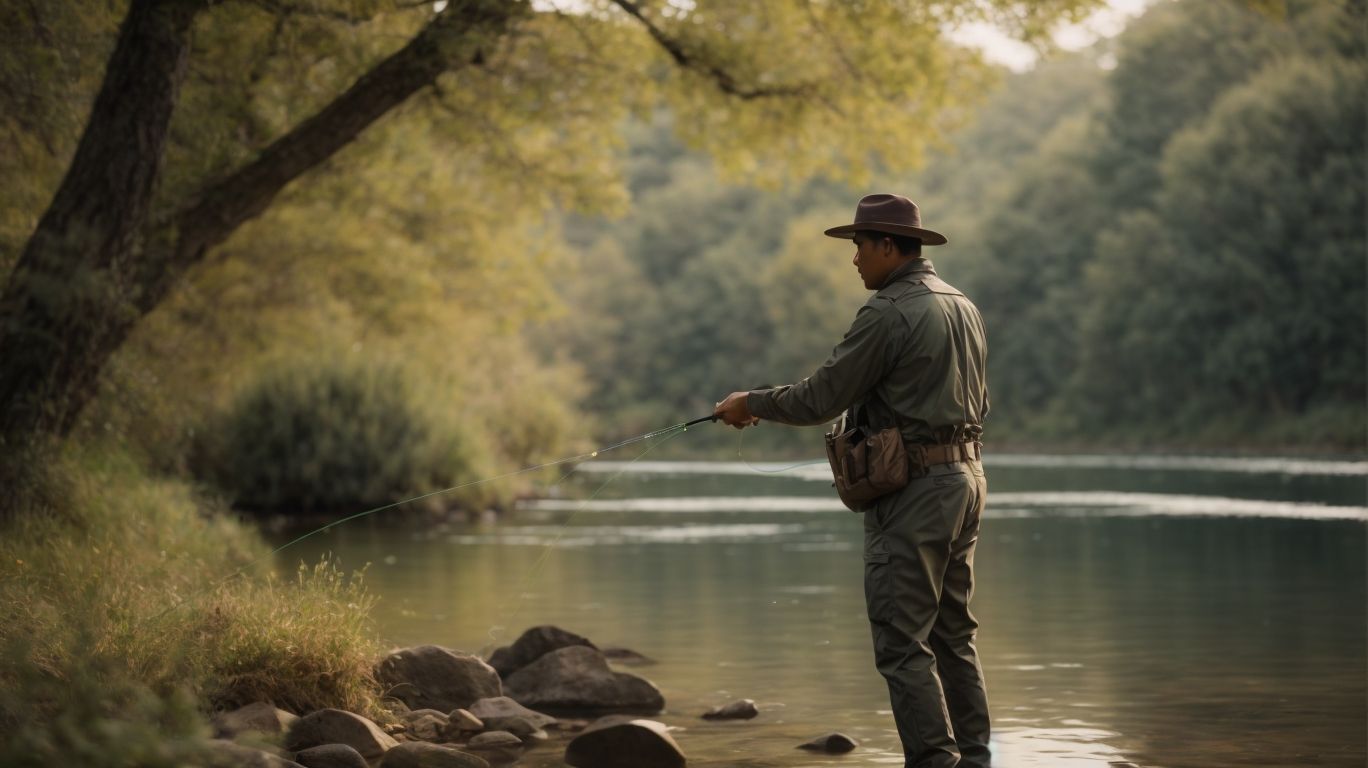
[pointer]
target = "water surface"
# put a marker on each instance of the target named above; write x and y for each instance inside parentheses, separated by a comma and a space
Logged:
(1156, 611)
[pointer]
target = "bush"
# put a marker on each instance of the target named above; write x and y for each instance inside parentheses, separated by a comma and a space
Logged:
(332, 438)
(129, 606)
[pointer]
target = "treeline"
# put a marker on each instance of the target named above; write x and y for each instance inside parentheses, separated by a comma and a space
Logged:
(1165, 234)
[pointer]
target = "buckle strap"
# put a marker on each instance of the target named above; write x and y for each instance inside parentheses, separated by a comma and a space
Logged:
(952, 453)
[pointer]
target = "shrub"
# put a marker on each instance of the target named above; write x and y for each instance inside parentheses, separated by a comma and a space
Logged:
(331, 438)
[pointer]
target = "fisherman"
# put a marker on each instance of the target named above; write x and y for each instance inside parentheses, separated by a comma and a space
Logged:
(913, 359)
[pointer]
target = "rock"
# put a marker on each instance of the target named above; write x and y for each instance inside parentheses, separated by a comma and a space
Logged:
(577, 680)
(433, 677)
(495, 740)
(495, 712)
(426, 724)
(331, 756)
(333, 726)
(420, 754)
(462, 721)
(627, 656)
(261, 717)
(743, 709)
(227, 754)
(624, 742)
(832, 744)
(524, 729)
(532, 645)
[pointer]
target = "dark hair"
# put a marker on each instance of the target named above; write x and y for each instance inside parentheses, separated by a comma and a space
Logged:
(906, 244)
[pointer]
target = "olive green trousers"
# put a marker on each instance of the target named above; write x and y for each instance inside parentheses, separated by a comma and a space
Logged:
(919, 577)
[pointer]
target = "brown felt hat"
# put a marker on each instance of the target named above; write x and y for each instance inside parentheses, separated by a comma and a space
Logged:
(893, 214)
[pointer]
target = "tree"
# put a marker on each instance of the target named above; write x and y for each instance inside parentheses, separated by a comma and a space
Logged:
(151, 189)
(1253, 258)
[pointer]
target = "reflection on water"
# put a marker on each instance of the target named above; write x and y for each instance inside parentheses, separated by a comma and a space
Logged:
(1129, 616)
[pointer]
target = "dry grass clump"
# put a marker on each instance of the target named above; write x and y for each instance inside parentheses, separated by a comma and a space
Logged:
(130, 606)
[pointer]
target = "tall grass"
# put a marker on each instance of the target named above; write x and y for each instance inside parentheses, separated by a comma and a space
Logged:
(130, 606)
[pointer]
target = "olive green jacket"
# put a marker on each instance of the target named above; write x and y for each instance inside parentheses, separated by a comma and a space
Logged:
(915, 358)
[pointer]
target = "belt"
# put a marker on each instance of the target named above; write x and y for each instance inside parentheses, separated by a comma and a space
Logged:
(922, 456)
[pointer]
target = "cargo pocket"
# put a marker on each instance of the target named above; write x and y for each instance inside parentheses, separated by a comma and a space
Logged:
(878, 587)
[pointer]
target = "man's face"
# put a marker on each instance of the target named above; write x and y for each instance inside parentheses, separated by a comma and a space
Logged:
(874, 259)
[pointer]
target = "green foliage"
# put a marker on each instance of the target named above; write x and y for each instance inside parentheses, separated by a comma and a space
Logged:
(1167, 252)
(1269, 250)
(331, 437)
(128, 606)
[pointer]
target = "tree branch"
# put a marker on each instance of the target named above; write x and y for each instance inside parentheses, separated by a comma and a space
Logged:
(458, 36)
(724, 79)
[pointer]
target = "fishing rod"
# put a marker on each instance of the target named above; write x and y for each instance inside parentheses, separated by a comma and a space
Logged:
(669, 431)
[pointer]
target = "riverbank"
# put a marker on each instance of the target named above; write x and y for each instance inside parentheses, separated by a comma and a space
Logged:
(131, 607)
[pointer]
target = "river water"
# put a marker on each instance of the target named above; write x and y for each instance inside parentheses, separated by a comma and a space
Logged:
(1148, 611)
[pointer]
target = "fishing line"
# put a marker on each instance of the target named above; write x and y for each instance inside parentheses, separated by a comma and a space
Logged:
(669, 431)
(504, 620)
(741, 436)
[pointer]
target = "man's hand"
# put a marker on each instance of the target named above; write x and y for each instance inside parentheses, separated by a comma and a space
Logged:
(734, 410)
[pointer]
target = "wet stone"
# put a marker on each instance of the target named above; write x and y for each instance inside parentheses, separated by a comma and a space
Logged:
(742, 709)
(831, 744)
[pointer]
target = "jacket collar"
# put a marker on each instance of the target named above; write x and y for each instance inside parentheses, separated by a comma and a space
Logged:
(912, 270)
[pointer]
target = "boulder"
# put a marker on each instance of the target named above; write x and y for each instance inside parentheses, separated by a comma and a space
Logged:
(532, 645)
(426, 724)
(831, 744)
(227, 754)
(495, 712)
(261, 717)
(742, 709)
(333, 726)
(420, 754)
(627, 656)
(624, 742)
(331, 756)
(577, 680)
(433, 677)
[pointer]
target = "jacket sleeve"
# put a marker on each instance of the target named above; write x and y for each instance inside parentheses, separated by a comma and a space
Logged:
(856, 365)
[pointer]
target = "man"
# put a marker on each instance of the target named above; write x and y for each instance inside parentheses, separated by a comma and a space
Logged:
(914, 359)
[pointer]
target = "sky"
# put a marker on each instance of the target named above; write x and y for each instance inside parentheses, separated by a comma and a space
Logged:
(1001, 49)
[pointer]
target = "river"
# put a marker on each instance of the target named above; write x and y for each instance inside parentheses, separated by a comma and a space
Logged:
(1163, 612)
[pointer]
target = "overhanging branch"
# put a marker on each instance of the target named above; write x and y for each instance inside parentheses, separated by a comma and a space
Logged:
(724, 79)
(456, 37)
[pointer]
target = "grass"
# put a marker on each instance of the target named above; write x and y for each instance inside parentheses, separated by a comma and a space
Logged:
(131, 607)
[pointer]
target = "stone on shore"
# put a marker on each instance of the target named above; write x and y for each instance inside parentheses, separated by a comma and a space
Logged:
(260, 717)
(420, 754)
(619, 741)
(331, 756)
(577, 680)
(495, 740)
(228, 754)
(532, 645)
(433, 677)
(627, 657)
(461, 721)
(831, 744)
(496, 711)
(426, 724)
(742, 709)
(334, 726)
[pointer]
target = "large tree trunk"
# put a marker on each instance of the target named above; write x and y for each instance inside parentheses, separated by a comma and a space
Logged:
(96, 265)
(68, 302)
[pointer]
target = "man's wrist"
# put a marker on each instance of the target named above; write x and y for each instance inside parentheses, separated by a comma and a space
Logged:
(760, 403)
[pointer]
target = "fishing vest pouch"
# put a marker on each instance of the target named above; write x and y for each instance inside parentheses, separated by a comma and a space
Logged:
(866, 466)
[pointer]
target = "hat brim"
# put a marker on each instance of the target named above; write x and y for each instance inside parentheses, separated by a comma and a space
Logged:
(927, 236)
